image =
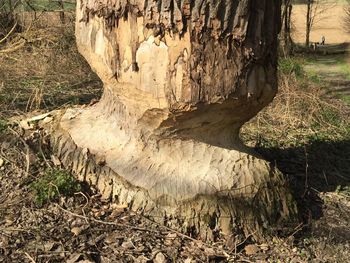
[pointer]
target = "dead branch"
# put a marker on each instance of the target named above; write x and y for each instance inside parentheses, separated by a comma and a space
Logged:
(105, 222)
(9, 33)
(29, 257)
(17, 46)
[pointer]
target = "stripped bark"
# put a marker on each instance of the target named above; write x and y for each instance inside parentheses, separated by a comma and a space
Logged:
(181, 78)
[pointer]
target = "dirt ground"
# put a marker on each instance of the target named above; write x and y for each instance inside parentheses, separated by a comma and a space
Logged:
(49, 74)
(329, 23)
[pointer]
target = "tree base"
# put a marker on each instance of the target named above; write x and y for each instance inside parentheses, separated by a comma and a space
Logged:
(197, 188)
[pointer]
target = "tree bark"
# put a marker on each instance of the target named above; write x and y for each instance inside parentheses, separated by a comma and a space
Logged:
(308, 22)
(180, 79)
(286, 41)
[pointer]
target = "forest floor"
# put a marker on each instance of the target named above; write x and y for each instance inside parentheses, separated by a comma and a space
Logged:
(75, 225)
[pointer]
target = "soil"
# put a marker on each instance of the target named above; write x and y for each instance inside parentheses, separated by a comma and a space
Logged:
(84, 228)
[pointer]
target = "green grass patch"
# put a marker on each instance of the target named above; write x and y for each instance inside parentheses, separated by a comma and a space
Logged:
(291, 65)
(345, 99)
(3, 125)
(314, 78)
(344, 69)
(344, 190)
(53, 184)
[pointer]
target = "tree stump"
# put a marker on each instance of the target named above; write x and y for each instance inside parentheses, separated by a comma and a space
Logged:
(180, 79)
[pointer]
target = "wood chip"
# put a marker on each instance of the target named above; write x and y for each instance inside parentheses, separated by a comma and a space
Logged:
(128, 245)
(25, 125)
(77, 230)
(160, 258)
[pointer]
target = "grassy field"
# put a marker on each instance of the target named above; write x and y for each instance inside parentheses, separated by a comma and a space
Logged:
(329, 23)
(44, 71)
(332, 73)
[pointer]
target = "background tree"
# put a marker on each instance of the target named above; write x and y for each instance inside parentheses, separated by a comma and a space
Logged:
(347, 17)
(286, 38)
(314, 10)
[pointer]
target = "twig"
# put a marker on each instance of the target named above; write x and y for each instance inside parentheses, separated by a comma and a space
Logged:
(87, 202)
(29, 257)
(18, 45)
(325, 177)
(245, 240)
(173, 230)
(86, 198)
(105, 222)
(9, 33)
(4, 229)
(297, 229)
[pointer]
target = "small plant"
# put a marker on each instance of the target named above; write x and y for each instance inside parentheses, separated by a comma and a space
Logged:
(345, 99)
(290, 66)
(53, 184)
(315, 78)
(344, 190)
(3, 125)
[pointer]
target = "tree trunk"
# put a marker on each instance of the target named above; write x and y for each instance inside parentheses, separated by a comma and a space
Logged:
(180, 79)
(62, 16)
(286, 41)
(308, 22)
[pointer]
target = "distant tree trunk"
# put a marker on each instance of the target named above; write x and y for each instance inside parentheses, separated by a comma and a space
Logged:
(347, 17)
(287, 42)
(180, 79)
(308, 22)
(61, 5)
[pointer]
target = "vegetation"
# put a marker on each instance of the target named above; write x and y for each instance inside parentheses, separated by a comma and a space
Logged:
(44, 80)
(305, 132)
(53, 184)
(3, 125)
(37, 5)
(300, 113)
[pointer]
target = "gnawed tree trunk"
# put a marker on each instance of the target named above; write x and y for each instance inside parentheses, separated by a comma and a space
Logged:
(180, 79)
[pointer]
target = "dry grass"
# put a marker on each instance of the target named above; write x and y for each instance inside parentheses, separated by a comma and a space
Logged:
(299, 114)
(40, 68)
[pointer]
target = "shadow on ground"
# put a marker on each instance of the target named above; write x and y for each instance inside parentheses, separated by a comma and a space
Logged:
(314, 170)
(321, 165)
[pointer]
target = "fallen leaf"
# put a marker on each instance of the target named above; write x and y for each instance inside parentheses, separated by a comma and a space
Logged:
(48, 246)
(74, 258)
(128, 244)
(251, 249)
(264, 247)
(77, 230)
(159, 258)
